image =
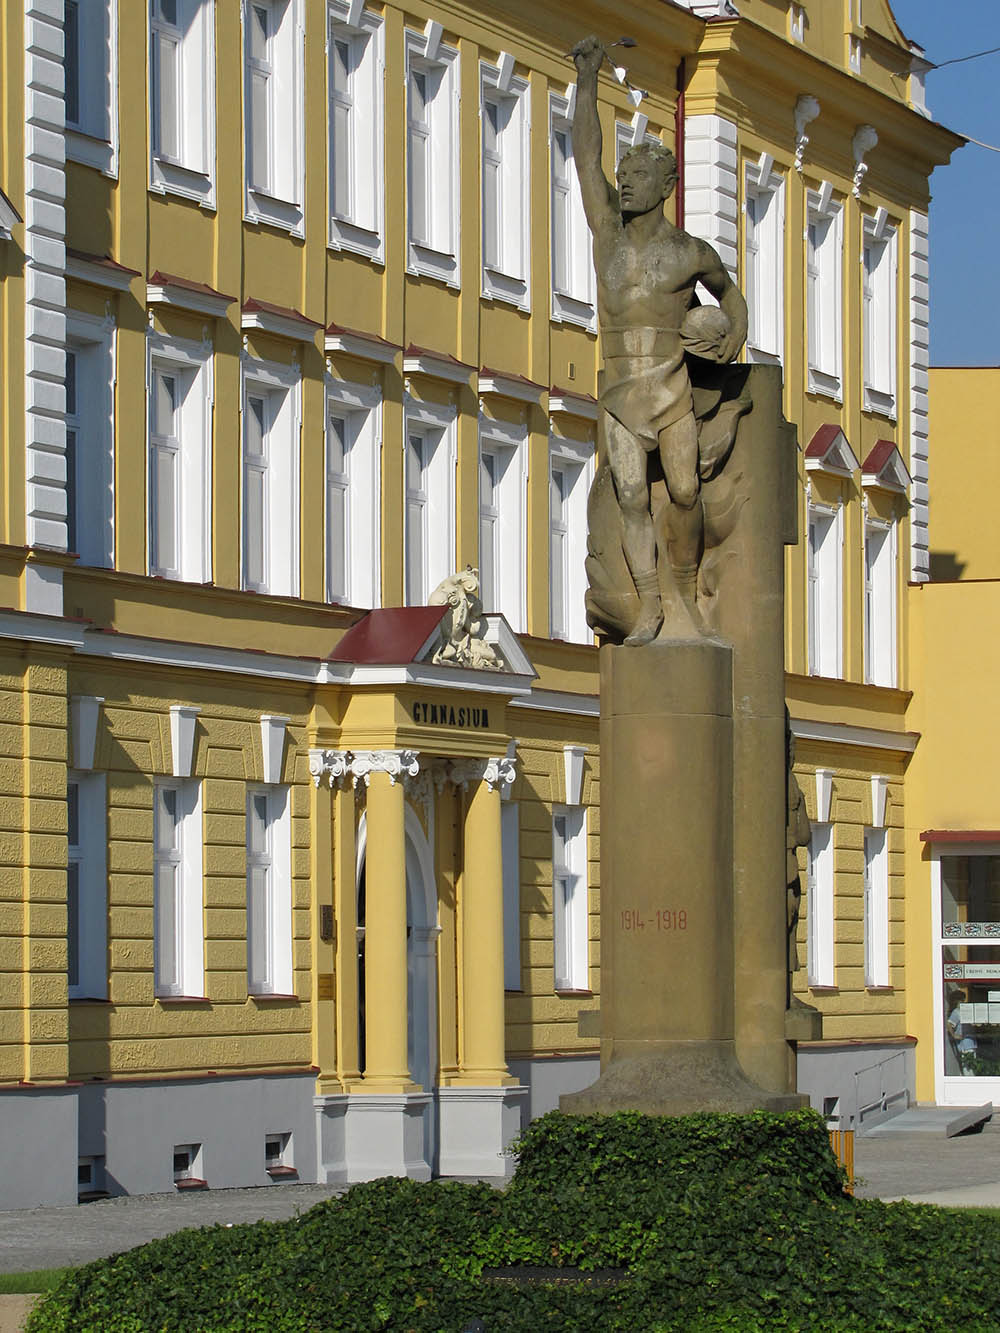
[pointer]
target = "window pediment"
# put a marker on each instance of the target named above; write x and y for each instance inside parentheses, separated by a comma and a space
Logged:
(828, 451)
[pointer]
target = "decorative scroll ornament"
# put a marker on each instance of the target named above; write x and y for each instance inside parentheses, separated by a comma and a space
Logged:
(806, 110)
(396, 763)
(462, 641)
(497, 771)
(865, 139)
(330, 764)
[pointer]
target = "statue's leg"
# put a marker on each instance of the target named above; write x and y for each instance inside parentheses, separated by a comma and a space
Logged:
(629, 467)
(685, 520)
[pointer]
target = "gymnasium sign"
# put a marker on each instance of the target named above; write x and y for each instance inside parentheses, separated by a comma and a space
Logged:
(451, 715)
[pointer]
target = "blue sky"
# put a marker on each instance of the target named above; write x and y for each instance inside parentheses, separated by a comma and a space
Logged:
(965, 259)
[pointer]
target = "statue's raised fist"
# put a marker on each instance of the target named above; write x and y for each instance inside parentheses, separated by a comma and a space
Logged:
(588, 55)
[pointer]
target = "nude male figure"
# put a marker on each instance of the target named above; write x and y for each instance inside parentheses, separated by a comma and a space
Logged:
(646, 274)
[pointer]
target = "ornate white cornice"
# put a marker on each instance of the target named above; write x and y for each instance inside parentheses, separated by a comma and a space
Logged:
(497, 771)
(330, 764)
(396, 763)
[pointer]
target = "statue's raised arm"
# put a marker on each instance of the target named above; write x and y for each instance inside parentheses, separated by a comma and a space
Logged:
(600, 199)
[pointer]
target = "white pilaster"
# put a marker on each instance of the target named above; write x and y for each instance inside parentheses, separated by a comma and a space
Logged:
(711, 185)
(919, 344)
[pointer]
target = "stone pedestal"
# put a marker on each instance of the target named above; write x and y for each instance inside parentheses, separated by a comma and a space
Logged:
(667, 946)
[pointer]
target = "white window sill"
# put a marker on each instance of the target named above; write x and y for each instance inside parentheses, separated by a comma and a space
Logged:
(569, 310)
(500, 286)
(828, 386)
(347, 235)
(281, 213)
(757, 356)
(428, 263)
(881, 403)
(91, 151)
(172, 178)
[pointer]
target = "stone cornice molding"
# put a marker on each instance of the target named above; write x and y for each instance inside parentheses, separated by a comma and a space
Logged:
(331, 764)
(498, 771)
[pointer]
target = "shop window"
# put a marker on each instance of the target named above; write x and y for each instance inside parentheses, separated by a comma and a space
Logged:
(182, 98)
(90, 59)
(432, 105)
(570, 473)
(825, 597)
(879, 314)
(505, 176)
(503, 475)
(429, 527)
(273, 112)
(86, 886)
(824, 292)
(764, 275)
(820, 907)
(90, 439)
(570, 906)
(178, 937)
(574, 285)
(356, 136)
(353, 450)
(180, 413)
(271, 431)
(969, 944)
(269, 892)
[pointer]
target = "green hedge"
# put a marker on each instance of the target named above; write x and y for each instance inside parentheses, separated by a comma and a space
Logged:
(722, 1222)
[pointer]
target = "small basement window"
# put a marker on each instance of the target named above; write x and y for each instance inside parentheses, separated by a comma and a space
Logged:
(278, 1157)
(90, 1179)
(187, 1167)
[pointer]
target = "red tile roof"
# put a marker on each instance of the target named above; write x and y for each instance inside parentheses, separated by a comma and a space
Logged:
(161, 279)
(252, 304)
(390, 636)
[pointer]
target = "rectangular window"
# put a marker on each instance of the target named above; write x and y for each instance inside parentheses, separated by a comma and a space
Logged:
(570, 474)
(182, 98)
(178, 947)
(510, 833)
(570, 906)
(503, 474)
(90, 439)
(820, 907)
(87, 886)
(356, 137)
(764, 277)
(188, 1163)
(269, 892)
(180, 410)
(273, 112)
(876, 908)
(353, 448)
(271, 480)
(432, 156)
(90, 30)
(505, 177)
(824, 294)
(879, 314)
(574, 285)
(429, 526)
(824, 592)
(880, 604)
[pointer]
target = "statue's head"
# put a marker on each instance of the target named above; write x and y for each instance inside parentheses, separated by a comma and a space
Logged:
(647, 175)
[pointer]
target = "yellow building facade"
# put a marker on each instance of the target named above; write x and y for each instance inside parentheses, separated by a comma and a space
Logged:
(298, 318)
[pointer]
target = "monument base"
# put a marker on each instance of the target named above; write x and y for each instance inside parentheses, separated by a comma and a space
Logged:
(678, 1078)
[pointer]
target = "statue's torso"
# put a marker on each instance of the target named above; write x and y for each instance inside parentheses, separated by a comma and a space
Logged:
(645, 282)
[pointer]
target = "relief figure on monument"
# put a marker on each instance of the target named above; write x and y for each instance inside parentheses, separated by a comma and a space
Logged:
(669, 402)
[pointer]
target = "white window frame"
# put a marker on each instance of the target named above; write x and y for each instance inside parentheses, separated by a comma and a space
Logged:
(87, 861)
(825, 591)
(629, 135)
(880, 603)
(358, 224)
(269, 897)
(820, 907)
(876, 912)
(281, 389)
(879, 293)
(192, 364)
(92, 134)
(508, 444)
(359, 407)
(574, 282)
(506, 206)
(90, 464)
(275, 187)
(796, 22)
(185, 165)
(577, 460)
(570, 898)
(437, 426)
(764, 270)
(824, 292)
(183, 916)
(433, 239)
(510, 843)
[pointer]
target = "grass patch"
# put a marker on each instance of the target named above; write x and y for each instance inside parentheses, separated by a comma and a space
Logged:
(41, 1279)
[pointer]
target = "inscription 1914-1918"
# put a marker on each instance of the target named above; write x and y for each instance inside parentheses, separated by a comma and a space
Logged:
(665, 920)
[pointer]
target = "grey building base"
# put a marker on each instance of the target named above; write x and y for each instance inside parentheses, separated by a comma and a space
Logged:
(547, 1078)
(860, 1084)
(362, 1136)
(38, 1148)
(475, 1127)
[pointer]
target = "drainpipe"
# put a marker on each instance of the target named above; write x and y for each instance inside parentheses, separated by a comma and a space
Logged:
(679, 144)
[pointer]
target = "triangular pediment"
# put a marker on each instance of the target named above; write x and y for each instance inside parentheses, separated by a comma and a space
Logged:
(885, 470)
(829, 451)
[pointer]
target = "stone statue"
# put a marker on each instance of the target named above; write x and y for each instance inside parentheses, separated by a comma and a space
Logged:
(462, 640)
(656, 425)
(797, 834)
